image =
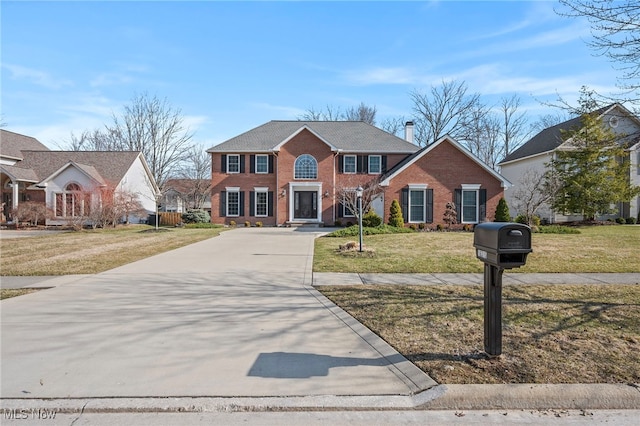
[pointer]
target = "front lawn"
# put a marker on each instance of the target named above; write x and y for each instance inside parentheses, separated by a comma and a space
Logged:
(612, 248)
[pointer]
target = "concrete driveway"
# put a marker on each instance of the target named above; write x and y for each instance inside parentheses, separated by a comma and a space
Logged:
(231, 316)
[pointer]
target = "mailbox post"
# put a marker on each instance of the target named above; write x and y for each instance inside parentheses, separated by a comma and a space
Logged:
(500, 246)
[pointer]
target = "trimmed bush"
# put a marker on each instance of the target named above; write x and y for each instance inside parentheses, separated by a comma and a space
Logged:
(259, 224)
(371, 219)
(502, 211)
(621, 220)
(395, 215)
(247, 224)
(631, 221)
(352, 231)
(196, 216)
(535, 220)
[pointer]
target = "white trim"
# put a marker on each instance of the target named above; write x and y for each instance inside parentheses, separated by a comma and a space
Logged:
(232, 188)
(294, 134)
(239, 166)
(504, 182)
(470, 186)
(305, 186)
(355, 164)
(255, 164)
(261, 189)
(418, 186)
(369, 164)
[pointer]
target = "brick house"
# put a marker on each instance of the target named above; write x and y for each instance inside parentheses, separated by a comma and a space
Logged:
(293, 172)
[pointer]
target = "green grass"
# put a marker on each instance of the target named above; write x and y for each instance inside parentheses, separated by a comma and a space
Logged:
(596, 249)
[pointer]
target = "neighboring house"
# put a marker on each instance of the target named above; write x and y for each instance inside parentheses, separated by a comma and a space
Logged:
(180, 195)
(292, 172)
(531, 159)
(70, 183)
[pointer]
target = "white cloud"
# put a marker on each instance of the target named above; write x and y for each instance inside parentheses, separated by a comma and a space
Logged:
(37, 77)
(382, 75)
(283, 111)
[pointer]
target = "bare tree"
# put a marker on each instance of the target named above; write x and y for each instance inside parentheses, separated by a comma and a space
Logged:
(149, 125)
(196, 175)
(534, 190)
(442, 110)
(346, 193)
(546, 121)
(330, 113)
(615, 27)
(394, 125)
(361, 113)
(514, 123)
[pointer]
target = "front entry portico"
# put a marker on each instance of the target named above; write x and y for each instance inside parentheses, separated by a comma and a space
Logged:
(305, 202)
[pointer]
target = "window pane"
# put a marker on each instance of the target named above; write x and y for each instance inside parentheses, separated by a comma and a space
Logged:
(233, 203)
(469, 206)
(262, 164)
(233, 164)
(349, 164)
(374, 164)
(416, 206)
(261, 203)
(306, 167)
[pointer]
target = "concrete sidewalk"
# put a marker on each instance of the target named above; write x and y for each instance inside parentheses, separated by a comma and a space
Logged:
(509, 278)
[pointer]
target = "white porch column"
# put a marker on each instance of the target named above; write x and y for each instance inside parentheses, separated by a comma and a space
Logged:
(14, 195)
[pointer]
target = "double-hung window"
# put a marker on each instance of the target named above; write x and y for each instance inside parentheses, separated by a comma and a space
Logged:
(262, 164)
(375, 164)
(349, 164)
(417, 203)
(233, 163)
(261, 202)
(469, 205)
(233, 202)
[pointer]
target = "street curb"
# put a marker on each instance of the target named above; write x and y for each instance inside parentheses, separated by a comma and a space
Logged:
(442, 397)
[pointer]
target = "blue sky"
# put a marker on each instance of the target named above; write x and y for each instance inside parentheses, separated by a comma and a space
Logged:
(231, 66)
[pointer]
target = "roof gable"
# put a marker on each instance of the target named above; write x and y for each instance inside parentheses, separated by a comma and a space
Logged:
(551, 138)
(407, 162)
(12, 144)
(88, 171)
(111, 166)
(343, 136)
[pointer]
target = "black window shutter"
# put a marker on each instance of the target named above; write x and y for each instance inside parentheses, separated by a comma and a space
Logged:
(270, 203)
(223, 166)
(384, 164)
(340, 208)
(241, 203)
(429, 205)
(404, 205)
(252, 163)
(242, 164)
(270, 164)
(483, 205)
(458, 202)
(223, 204)
(362, 164)
(340, 163)
(252, 203)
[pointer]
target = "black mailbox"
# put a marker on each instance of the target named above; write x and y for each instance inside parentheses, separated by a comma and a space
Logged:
(501, 244)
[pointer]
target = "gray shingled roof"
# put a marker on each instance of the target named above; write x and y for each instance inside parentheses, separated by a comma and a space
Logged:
(110, 165)
(11, 144)
(549, 138)
(348, 136)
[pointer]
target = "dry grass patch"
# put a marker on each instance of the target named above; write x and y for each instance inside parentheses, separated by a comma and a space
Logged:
(6, 293)
(595, 249)
(551, 334)
(91, 251)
